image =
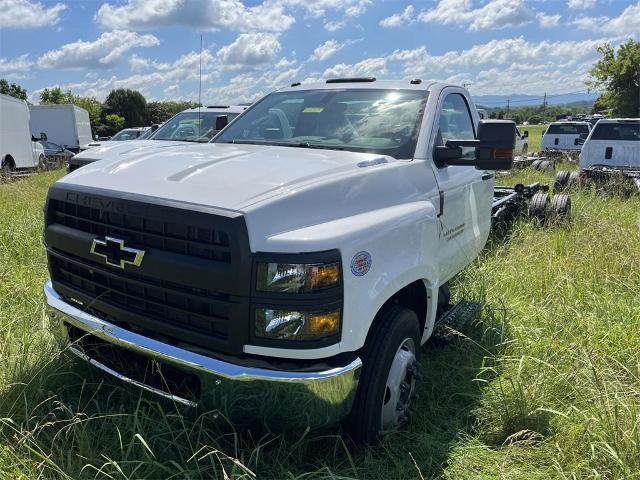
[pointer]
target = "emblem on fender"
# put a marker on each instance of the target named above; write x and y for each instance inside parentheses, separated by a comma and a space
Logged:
(115, 253)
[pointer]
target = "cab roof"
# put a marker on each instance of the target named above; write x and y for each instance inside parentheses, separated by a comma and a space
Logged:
(218, 109)
(619, 120)
(362, 83)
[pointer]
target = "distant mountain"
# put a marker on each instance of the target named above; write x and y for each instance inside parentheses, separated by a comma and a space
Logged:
(521, 100)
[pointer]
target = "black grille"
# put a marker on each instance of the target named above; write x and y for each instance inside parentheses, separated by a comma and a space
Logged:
(192, 287)
(170, 236)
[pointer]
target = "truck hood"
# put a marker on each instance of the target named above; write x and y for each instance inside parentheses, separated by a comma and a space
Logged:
(111, 150)
(226, 176)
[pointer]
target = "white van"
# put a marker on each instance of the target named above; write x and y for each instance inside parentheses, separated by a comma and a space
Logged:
(565, 136)
(613, 143)
(17, 150)
(66, 125)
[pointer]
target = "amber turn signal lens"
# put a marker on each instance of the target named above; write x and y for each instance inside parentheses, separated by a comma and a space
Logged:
(323, 276)
(503, 153)
(324, 324)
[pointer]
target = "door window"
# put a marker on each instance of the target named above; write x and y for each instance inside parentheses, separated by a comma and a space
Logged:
(456, 123)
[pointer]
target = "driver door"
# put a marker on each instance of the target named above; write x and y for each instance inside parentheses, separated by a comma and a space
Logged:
(466, 194)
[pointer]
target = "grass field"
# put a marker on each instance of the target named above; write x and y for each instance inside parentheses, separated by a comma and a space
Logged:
(545, 384)
(535, 135)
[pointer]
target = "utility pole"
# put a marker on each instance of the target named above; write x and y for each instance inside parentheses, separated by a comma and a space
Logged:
(544, 106)
(507, 116)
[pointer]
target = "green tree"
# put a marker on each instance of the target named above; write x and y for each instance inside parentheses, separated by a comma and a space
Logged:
(55, 96)
(129, 104)
(113, 123)
(617, 73)
(159, 112)
(12, 89)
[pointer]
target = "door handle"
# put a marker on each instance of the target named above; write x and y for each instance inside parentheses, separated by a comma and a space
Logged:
(487, 176)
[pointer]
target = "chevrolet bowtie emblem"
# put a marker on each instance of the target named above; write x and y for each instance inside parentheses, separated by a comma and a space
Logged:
(115, 253)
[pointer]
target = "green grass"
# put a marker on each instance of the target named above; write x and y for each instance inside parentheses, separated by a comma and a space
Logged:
(535, 135)
(545, 384)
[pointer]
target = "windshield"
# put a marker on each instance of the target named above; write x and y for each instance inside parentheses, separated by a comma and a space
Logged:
(127, 134)
(191, 126)
(365, 120)
(617, 131)
(567, 129)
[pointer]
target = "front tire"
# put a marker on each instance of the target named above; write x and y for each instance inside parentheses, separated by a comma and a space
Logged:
(389, 374)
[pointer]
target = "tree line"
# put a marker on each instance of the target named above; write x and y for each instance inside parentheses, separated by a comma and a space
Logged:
(122, 108)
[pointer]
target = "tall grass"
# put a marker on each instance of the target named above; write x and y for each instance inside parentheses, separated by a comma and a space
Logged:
(545, 383)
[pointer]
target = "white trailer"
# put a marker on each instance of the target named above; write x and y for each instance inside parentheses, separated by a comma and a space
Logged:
(17, 151)
(66, 125)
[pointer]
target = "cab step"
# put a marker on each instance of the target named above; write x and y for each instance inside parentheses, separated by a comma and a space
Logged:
(454, 319)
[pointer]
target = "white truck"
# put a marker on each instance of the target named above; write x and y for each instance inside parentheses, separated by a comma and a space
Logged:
(290, 270)
(66, 125)
(19, 150)
(565, 136)
(610, 152)
(193, 125)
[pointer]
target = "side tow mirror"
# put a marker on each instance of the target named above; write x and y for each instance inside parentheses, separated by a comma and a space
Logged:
(526, 133)
(221, 122)
(493, 148)
(43, 136)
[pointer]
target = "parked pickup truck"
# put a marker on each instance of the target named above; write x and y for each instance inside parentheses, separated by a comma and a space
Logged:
(565, 136)
(290, 270)
(610, 152)
(192, 125)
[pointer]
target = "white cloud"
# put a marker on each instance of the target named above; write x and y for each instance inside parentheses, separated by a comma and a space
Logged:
(195, 14)
(627, 23)
(398, 19)
(326, 50)
(26, 14)
(548, 21)
(183, 69)
(333, 26)
(581, 4)
(320, 8)
(495, 14)
(104, 52)
(504, 52)
(15, 67)
(369, 67)
(249, 49)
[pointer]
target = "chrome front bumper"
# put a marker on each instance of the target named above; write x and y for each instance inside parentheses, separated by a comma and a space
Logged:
(280, 399)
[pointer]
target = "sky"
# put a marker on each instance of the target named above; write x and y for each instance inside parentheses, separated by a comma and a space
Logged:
(252, 47)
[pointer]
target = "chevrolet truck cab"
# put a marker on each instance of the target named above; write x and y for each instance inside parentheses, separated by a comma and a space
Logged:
(290, 270)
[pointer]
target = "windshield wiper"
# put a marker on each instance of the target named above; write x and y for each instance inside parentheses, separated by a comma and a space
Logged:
(286, 144)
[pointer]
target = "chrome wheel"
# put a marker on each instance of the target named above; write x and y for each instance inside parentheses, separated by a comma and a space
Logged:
(400, 386)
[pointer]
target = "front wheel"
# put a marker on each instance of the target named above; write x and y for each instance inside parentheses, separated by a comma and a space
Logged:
(388, 382)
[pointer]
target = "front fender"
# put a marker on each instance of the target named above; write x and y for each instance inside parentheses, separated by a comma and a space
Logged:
(402, 241)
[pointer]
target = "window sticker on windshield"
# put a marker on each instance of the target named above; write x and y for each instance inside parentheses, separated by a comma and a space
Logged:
(313, 110)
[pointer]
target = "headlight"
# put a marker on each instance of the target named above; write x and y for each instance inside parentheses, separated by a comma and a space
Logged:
(297, 277)
(296, 325)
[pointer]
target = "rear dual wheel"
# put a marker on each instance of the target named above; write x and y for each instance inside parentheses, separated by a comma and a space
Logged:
(387, 385)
